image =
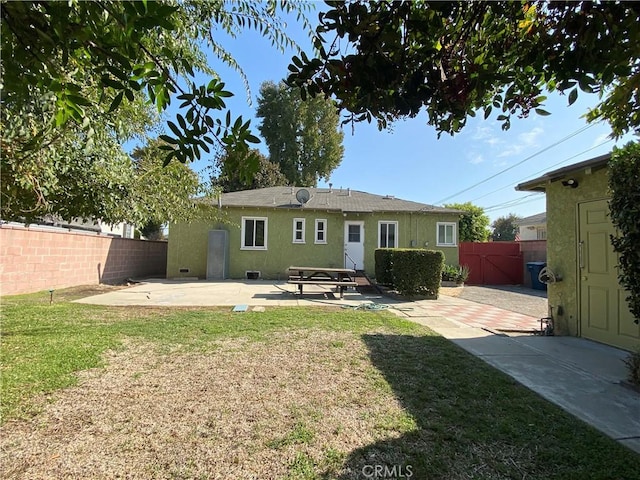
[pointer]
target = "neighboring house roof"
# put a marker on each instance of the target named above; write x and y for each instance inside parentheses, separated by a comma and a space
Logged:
(539, 184)
(341, 200)
(536, 219)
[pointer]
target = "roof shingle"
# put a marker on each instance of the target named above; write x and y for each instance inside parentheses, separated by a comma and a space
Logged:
(341, 200)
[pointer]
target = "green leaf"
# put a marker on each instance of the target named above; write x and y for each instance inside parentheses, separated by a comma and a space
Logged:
(542, 112)
(168, 139)
(116, 102)
(573, 96)
(78, 100)
(174, 128)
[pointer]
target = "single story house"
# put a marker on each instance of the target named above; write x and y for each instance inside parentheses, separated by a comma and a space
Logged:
(269, 229)
(533, 227)
(587, 299)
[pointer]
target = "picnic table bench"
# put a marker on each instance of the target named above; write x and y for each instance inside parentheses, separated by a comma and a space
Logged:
(341, 278)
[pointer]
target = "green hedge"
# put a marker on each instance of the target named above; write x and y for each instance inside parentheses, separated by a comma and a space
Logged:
(411, 271)
(624, 185)
(383, 258)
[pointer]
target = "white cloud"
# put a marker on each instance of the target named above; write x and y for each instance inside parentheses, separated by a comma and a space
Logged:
(530, 139)
(600, 139)
(475, 158)
(485, 134)
(525, 141)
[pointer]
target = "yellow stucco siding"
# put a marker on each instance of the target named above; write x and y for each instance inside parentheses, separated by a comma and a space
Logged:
(562, 242)
(188, 242)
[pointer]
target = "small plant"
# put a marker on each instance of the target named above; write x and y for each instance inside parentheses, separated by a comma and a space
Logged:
(449, 273)
(463, 274)
(633, 365)
(454, 273)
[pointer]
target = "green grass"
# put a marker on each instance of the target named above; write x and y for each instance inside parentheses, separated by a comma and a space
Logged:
(459, 417)
(44, 345)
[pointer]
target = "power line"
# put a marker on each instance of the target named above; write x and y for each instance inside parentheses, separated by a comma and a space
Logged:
(562, 140)
(515, 205)
(543, 170)
(514, 202)
(510, 206)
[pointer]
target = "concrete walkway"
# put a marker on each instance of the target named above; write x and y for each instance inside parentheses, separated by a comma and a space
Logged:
(580, 376)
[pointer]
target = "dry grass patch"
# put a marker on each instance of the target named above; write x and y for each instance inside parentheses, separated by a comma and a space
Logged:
(247, 410)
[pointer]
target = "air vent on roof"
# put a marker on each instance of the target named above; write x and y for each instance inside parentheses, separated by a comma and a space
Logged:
(388, 197)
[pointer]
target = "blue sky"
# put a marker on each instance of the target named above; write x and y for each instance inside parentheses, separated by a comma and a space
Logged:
(410, 162)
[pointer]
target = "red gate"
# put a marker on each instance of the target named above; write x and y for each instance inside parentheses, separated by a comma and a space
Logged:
(492, 263)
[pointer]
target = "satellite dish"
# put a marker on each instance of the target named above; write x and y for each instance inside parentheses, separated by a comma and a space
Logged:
(303, 196)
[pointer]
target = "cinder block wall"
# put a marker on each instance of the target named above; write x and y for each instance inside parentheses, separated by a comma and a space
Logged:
(32, 260)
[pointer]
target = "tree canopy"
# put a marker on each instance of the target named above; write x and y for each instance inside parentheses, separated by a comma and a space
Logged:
(388, 60)
(303, 137)
(81, 78)
(229, 165)
(505, 228)
(473, 224)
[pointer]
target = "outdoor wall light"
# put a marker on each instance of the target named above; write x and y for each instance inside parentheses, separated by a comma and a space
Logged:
(572, 182)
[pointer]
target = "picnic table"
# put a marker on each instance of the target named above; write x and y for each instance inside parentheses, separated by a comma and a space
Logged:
(341, 278)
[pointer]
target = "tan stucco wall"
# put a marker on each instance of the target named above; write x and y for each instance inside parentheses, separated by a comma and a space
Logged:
(562, 242)
(188, 242)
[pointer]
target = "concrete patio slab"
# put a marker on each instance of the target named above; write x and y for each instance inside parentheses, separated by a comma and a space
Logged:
(156, 292)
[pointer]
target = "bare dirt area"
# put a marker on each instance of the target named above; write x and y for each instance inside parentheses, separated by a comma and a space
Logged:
(452, 291)
(82, 291)
(241, 409)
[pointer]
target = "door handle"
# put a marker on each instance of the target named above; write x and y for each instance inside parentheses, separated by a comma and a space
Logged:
(581, 254)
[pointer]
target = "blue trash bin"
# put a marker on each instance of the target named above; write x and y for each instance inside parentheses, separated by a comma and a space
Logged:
(535, 268)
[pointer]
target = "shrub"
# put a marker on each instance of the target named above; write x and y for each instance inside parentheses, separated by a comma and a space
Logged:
(624, 184)
(633, 365)
(417, 271)
(384, 262)
(453, 273)
(449, 273)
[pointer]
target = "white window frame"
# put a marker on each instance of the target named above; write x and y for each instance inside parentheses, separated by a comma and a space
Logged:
(388, 222)
(242, 233)
(454, 226)
(324, 231)
(541, 233)
(302, 230)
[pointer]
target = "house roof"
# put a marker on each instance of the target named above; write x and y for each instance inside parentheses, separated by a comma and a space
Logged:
(540, 184)
(341, 200)
(536, 219)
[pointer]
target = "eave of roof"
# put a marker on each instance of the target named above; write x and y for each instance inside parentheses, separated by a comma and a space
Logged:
(536, 219)
(540, 184)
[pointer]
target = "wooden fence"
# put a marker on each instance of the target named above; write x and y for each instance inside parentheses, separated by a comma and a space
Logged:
(501, 263)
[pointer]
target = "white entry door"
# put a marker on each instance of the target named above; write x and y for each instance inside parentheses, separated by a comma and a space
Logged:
(354, 245)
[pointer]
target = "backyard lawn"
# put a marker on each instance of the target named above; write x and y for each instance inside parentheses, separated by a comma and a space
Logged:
(289, 393)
